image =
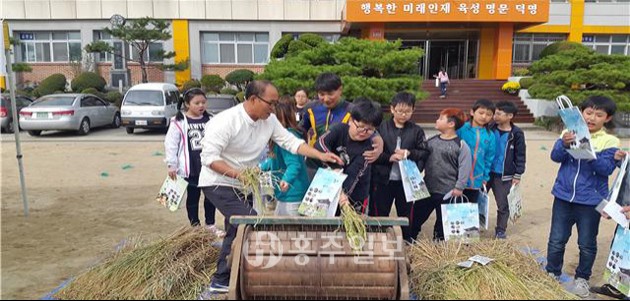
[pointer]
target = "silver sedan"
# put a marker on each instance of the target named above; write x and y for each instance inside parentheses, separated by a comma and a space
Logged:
(68, 112)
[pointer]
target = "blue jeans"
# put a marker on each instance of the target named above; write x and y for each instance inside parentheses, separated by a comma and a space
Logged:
(564, 216)
(443, 87)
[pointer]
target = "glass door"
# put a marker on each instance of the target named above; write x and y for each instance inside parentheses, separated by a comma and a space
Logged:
(450, 55)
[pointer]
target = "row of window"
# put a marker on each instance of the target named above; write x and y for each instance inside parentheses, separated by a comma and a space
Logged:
(527, 47)
(254, 48)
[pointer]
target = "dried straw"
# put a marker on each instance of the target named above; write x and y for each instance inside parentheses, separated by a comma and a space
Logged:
(177, 267)
(354, 225)
(512, 275)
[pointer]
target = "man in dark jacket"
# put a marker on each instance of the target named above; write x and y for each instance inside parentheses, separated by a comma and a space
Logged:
(509, 161)
(402, 139)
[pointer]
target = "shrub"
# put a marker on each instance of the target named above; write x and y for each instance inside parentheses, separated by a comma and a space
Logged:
(282, 46)
(562, 46)
(92, 91)
(520, 71)
(212, 82)
(526, 82)
(114, 97)
(296, 47)
(240, 96)
(88, 80)
(193, 83)
(229, 91)
(240, 78)
(50, 85)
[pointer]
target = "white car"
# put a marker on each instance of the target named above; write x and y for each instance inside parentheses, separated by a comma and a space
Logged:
(68, 112)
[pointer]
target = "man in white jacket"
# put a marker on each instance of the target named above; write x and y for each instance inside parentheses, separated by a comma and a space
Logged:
(233, 141)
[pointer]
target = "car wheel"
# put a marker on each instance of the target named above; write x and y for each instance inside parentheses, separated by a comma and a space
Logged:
(9, 128)
(129, 130)
(116, 122)
(35, 133)
(84, 128)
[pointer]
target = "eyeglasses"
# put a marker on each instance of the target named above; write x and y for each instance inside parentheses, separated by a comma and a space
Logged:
(403, 113)
(363, 129)
(271, 104)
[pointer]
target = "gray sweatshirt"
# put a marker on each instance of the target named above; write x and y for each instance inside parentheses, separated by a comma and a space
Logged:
(448, 166)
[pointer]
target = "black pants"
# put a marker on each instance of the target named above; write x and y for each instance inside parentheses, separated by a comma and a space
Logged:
(229, 202)
(472, 195)
(192, 203)
(501, 189)
(422, 211)
(383, 196)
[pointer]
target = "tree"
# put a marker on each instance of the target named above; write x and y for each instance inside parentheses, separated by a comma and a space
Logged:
(579, 73)
(375, 69)
(140, 34)
(240, 78)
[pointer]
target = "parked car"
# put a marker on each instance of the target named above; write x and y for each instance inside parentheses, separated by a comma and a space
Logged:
(6, 112)
(149, 106)
(218, 103)
(68, 112)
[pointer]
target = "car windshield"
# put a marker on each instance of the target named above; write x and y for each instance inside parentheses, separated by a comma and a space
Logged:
(144, 98)
(220, 103)
(54, 101)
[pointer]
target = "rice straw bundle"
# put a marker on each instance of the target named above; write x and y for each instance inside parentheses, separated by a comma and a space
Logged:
(355, 228)
(512, 275)
(177, 267)
(251, 180)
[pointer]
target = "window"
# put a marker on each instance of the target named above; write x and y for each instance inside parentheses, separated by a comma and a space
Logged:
(527, 47)
(151, 55)
(608, 44)
(330, 37)
(234, 48)
(56, 46)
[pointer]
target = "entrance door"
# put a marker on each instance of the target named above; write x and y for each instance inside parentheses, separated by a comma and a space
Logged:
(450, 55)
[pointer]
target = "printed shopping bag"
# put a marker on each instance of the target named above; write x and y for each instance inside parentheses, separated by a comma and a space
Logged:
(437, 82)
(460, 220)
(172, 193)
(322, 196)
(413, 182)
(582, 148)
(483, 202)
(617, 272)
(515, 203)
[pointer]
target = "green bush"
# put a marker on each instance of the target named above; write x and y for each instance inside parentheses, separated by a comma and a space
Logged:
(212, 82)
(296, 47)
(520, 71)
(50, 85)
(312, 39)
(375, 69)
(193, 83)
(22, 67)
(562, 46)
(114, 97)
(240, 96)
(88, 80)
(526, 82)
(240, 78)
(282, 46)
(92, 91)
(229, 91)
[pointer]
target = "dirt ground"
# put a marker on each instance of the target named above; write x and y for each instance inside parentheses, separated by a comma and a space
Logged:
(78, 214)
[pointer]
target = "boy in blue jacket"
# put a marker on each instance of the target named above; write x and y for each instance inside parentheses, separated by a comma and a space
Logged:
(482, 144)
(580, 186)
(509, 161)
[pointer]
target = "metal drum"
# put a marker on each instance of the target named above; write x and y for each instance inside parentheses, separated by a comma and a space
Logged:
(310, 258)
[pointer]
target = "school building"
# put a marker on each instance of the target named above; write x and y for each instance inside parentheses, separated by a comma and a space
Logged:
(473, 39)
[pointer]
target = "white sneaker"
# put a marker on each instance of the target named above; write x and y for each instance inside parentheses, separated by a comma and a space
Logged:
(552, 275)
(581, 288)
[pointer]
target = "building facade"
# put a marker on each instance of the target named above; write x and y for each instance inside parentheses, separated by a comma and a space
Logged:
(482, 39)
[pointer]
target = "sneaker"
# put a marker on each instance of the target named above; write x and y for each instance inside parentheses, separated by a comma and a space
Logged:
(554, 276)
(500, 235)
(216, 287)
(442, 96)
(608, 290)
(581, 288)
(216, 231)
